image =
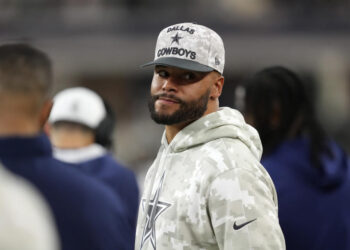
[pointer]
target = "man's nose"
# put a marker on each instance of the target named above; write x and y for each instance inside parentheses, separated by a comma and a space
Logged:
(169, 84)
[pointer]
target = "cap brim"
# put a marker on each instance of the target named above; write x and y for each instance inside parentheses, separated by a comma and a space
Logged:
(179, 63)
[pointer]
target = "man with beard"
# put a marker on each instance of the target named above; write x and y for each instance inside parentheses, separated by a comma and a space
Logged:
(206, 189)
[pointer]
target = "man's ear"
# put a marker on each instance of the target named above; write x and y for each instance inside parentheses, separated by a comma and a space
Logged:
(217, 87)
(45, 112)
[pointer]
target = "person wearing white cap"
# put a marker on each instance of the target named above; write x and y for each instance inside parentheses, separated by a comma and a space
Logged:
(80, 127)
(206, 188)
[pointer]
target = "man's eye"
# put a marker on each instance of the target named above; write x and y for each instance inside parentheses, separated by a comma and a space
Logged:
(162, 73)
(189, 76)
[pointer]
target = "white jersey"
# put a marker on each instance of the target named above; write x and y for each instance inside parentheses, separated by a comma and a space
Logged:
(25, 219)
(207, 190)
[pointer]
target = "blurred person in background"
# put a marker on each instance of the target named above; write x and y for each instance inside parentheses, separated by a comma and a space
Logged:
(81, 128)
(25, 219)
(87, 214)
(206, 188)
(310, 171)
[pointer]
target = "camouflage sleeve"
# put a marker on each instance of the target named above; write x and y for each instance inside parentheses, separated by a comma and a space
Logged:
(243, 212)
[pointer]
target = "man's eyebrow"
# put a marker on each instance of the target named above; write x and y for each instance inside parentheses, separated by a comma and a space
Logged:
(161, 66)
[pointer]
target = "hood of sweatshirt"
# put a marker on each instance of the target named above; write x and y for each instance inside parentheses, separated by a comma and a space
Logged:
(225, 123)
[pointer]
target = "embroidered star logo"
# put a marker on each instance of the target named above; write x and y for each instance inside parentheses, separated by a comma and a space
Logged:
(154, 209)
(217, 61)
(176, 38)
(75, 107)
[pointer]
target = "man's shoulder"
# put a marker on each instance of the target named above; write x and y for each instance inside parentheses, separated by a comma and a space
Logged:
(231, 153)
(107, 164)
(32, 217)
(62, 184)
(75, 179)
(225, 159)
(53, 176)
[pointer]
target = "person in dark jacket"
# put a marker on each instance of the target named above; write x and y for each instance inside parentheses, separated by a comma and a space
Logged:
(87, 214)
(81, 128)
(310, 171)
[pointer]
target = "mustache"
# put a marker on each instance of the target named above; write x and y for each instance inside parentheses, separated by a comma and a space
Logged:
(172, 97)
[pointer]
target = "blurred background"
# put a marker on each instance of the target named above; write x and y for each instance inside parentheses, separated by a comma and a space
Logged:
(101, 43)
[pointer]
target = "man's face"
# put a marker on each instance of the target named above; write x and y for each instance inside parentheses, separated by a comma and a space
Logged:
(178, 95)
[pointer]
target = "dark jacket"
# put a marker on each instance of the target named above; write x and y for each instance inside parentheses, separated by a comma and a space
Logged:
(87, 214)
(97, 162)
(314, 204)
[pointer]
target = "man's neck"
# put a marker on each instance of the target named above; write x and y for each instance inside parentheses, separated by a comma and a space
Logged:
(18, 127)
(18, 115)
(172, 130)
(71, 139)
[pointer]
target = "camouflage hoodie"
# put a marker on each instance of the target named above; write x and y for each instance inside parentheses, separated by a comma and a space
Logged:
(207, 190)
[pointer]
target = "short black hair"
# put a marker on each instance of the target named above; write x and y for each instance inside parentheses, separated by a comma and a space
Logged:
(24, 68)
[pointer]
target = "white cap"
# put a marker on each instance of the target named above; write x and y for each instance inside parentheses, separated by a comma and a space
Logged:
(190, 46)
(80, 105)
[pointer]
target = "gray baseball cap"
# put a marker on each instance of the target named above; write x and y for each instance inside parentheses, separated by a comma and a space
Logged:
(189, 46)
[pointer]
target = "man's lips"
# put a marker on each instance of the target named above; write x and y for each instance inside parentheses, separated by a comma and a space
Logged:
(167, 100)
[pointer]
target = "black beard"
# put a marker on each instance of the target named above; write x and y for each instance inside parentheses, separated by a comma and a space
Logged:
(188, 111)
